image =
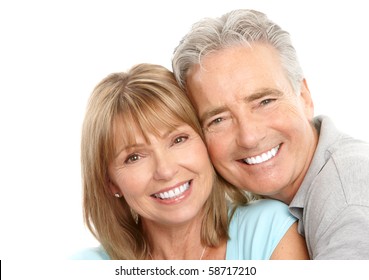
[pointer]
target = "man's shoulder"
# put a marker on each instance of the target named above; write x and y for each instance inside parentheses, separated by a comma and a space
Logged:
(348, 147)
(350, 158)
(347, 158)
(337, 144)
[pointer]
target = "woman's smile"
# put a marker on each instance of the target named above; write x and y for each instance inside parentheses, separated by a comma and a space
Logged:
(173, 194)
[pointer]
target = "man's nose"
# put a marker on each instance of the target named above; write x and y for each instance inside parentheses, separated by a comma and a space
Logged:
(250, 132)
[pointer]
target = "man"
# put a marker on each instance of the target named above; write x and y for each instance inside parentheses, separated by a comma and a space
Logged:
(243, 77)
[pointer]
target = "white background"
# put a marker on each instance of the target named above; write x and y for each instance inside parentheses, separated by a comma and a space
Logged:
(52, 54)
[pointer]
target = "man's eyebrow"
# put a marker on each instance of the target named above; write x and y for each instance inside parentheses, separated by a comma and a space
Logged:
(212, 112)
(260, 93)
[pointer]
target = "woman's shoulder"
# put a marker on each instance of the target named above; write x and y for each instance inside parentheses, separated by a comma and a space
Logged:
(265, 211)
(93, 253)
(262, 207)
(256, 228)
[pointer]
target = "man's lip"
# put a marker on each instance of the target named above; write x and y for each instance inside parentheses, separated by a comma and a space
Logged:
(262, 157)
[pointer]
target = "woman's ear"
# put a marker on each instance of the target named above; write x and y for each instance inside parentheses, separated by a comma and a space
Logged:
(114, 189)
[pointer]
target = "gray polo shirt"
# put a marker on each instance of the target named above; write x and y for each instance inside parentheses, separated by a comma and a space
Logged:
(332, 204)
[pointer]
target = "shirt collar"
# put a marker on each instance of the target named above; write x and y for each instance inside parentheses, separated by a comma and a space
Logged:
(328, 135)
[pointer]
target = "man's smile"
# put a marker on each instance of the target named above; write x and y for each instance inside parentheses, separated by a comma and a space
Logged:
(262, 157)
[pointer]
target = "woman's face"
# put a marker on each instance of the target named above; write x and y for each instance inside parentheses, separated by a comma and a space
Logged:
(167, 179)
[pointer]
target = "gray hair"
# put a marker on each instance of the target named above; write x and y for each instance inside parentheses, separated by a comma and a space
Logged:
(238, 27)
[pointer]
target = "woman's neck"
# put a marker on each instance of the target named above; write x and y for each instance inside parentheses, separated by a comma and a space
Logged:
(175, 242)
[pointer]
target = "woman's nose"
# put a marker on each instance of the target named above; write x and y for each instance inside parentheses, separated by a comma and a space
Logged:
(166, 166)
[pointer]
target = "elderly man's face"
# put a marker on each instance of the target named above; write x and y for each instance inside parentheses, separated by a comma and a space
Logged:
(258, 130)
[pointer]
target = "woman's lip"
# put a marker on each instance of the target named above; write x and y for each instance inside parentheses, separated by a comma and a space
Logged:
(171, 188)
(173, 194)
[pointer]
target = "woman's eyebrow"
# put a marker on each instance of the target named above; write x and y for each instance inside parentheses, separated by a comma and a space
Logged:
(168, 132)
(127, 147)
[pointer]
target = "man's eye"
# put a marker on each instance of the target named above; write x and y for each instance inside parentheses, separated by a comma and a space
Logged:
(266, 101)
(216, 121)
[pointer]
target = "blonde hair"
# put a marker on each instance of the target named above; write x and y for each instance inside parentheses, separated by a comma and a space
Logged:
(145, 96)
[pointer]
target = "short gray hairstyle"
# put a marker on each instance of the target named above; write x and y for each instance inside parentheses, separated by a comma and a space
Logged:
(239, 27)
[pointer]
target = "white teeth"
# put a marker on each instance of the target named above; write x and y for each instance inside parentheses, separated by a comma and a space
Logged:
(174, 192)
(263, 157)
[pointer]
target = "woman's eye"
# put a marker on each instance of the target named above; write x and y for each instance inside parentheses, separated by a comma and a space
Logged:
(180, 139)
(132, 158)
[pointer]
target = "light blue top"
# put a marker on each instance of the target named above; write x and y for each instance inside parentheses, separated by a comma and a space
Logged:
(255, 230)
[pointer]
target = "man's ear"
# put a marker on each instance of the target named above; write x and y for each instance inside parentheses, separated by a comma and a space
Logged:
(307, 100)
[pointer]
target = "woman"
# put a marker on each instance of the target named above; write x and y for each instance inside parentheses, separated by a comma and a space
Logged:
(150, 190)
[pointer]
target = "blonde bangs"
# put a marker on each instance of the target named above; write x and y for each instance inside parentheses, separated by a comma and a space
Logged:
(145, 113)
